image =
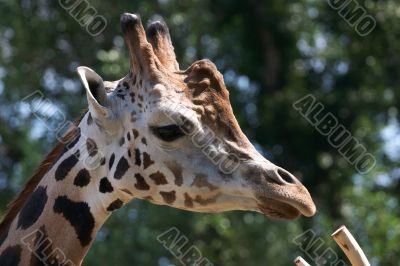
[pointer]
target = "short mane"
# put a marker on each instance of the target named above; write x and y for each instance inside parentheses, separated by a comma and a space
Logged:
(15, 206)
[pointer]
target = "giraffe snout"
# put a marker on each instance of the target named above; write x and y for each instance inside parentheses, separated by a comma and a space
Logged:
(278, 192)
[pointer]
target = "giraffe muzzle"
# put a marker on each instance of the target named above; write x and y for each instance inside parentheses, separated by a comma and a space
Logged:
(286, 201)
(279, 194)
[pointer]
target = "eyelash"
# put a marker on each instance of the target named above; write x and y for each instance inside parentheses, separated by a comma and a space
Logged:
(168, 133)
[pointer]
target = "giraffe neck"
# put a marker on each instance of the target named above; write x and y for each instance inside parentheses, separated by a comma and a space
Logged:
(61, 216)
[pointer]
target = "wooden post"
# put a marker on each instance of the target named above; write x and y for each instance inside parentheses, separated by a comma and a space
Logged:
(299, 261)
(350, 247)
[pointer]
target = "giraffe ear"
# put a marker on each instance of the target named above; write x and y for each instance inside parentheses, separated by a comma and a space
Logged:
(95, 92)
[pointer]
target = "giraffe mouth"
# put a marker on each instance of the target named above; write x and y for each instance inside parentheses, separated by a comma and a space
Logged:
(284, 207)
(275, 209)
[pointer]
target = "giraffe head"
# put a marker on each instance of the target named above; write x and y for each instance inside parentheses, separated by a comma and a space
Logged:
(171, 137)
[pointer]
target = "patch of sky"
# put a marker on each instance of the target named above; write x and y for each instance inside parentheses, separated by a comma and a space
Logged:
(390, 135)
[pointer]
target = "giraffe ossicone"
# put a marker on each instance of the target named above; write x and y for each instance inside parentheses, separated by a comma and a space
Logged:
(159, 134)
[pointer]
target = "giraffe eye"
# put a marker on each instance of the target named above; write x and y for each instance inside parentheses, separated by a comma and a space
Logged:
(168, 133)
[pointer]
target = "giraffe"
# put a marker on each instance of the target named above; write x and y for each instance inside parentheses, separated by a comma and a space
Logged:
(160, 134)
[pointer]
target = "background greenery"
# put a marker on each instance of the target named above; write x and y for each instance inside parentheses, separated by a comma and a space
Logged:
(271, 53)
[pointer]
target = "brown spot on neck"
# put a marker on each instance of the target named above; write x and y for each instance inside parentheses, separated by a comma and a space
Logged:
(115, 205)
(207, 201)
(188, 200)
(141, 182)
(147, 161)
(176, 170)
(200, 181)
(158, 178)
(138, 161)
(91, 147)
(121, 141)
(135, 133)
(127, 191)
(89, 119)
(169, 197)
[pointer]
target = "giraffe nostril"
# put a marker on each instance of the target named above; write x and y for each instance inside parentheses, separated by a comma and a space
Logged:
(286, 176)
